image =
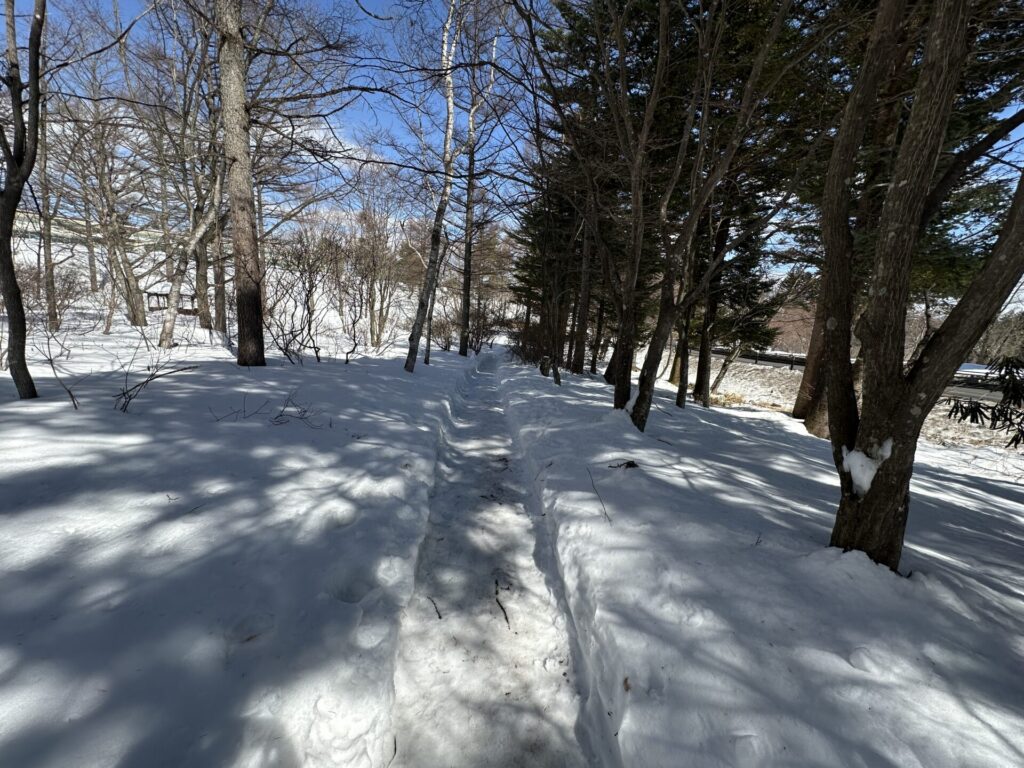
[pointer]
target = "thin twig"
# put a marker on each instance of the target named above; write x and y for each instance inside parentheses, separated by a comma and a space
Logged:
(436, 609)
(498, 601)
(128, 394)
(603, 507)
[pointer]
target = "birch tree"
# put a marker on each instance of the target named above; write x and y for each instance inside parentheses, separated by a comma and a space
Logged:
(451, 30)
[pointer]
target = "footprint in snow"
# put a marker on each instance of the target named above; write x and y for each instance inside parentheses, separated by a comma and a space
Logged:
(347, 586)
(748, 749)
(863, 659)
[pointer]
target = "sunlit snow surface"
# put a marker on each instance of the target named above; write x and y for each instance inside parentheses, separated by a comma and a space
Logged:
(218, 578)
(716, 628)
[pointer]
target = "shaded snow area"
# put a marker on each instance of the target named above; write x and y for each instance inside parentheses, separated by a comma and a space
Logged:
(345, 565)
(485, 673)
(712, 625)
(216, 577)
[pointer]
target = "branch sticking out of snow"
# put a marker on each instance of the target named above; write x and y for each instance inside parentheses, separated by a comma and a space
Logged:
(863, 466)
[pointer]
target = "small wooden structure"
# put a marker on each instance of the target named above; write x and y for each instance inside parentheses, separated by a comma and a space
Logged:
(157, 301)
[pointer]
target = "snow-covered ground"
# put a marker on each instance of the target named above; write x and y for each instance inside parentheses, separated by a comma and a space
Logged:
(485, 674)
(713, 626)
(344, 565)
(216, 576)
(776, 387)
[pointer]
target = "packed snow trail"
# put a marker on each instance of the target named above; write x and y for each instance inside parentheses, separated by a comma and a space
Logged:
(484, 675)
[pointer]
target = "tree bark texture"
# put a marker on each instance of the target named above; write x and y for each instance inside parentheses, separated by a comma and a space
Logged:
(449, 40)
(19, 154)
(242, 209)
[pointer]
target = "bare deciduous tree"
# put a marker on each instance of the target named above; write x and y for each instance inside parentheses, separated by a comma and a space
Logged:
(233, 62)
(451, 31)
(19, 151)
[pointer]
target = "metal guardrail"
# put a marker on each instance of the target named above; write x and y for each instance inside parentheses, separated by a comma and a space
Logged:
(782, 358)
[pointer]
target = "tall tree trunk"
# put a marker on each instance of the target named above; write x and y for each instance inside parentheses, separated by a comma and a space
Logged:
(16, 326)
(579, 355)
(677, 362)
(49, 274)
(573, 318)
(121, 268)
(46, 225)
(449, 41)
(135, 303)
(816, 415)
(245, 246)
(430, 328)
(173, 299)
(668, 308)
(656, 350)
(684, 358)
(203, 286)
(622, 358)
(598, 336)
(702, 386)
(811, 404)
(165, 229)
(882, 437)
(611, 372)
(812, 382)
(19, 155)
(874, 520)
(478, 334)
(90, 247)
(108, 320)
(196, 241)
(467, 253)
(220, 293)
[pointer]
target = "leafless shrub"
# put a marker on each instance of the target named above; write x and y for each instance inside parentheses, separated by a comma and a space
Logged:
(128, 393)
(297, 299)
(69, 288)
(242, 413)
(304, 413)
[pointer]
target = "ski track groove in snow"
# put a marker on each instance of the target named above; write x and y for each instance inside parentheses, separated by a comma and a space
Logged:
(485, 671)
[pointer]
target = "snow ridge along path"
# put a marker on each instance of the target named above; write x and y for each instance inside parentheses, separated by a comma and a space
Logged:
(484, 674)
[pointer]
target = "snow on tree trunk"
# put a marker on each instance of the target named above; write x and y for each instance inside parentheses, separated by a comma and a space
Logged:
(896, 398)
(872, 515)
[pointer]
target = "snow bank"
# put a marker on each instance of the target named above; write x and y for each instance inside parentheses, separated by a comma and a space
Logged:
(215, 577)
(714, 627)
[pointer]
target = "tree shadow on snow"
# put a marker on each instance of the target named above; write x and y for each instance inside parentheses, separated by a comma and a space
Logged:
(724, 523)
(183, 590)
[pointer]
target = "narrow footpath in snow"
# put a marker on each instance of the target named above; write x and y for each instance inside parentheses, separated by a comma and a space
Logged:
(484, 674)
